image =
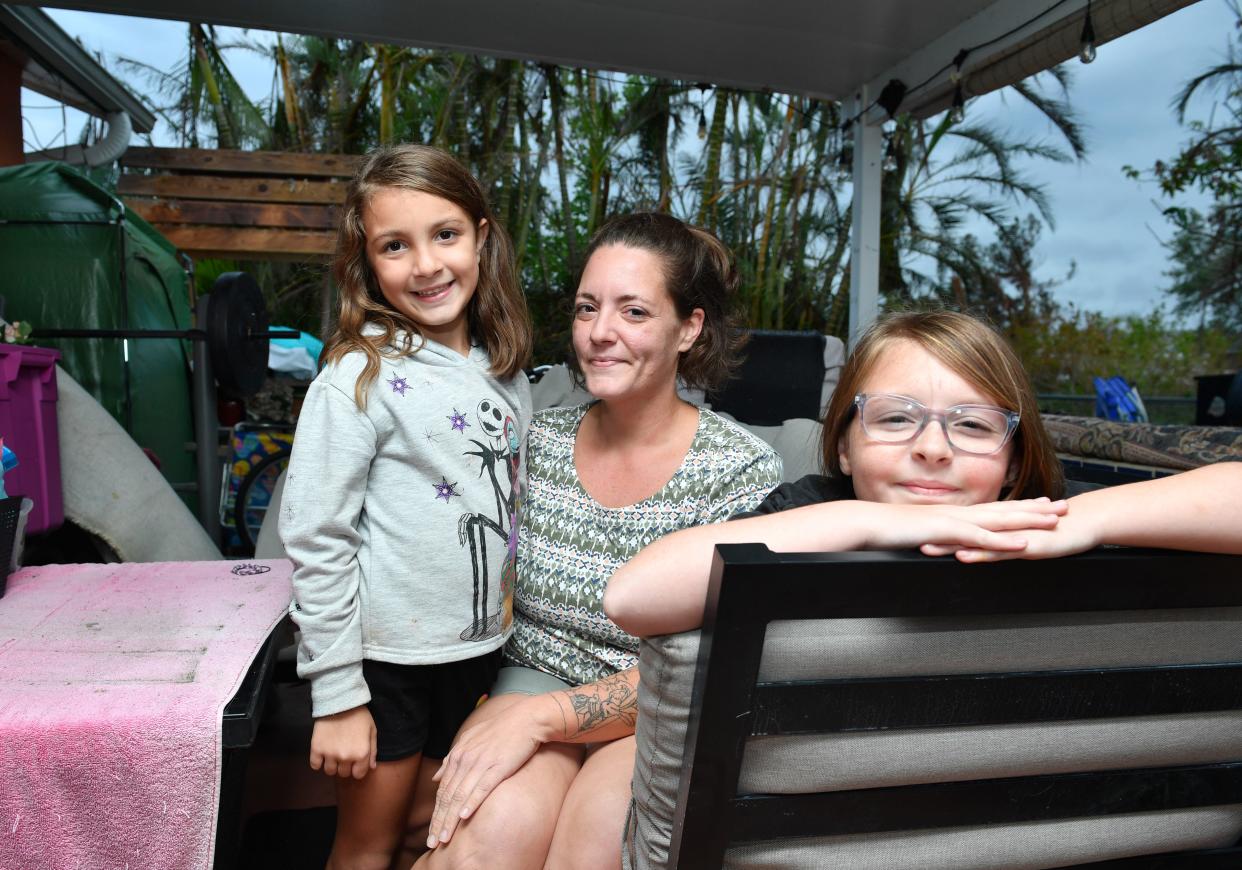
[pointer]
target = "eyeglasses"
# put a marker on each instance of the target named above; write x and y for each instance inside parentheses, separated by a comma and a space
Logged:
(977, 429)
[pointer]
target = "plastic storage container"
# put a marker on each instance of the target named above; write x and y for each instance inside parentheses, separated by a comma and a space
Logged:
(28, 427)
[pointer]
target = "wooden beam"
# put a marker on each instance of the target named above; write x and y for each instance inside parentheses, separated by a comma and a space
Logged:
(10, 111)
(274, 163)
(255, 244)
(247, 189)
(236, 214)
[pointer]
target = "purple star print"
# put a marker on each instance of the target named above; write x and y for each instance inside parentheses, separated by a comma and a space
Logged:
(399, 386)
(445, 490)
(458, 420)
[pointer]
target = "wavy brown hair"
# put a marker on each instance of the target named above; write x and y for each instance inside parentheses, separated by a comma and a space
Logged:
(496, 313)
(977, 353)
(698, 273)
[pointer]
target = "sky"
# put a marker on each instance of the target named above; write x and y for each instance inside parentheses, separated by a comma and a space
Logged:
(1109, 228)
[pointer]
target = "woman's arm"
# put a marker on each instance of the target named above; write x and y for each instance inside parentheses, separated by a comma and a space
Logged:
(662, 590)
(485, 755)
(1193, 510)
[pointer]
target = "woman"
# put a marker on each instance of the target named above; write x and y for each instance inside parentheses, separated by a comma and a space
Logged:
(539, 775)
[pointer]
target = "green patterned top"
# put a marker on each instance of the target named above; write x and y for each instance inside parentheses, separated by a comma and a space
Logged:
(571, 544)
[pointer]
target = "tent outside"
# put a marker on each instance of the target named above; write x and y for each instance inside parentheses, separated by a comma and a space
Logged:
(76, 257)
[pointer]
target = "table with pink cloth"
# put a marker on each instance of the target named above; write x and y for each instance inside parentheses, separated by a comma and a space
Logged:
(113, 682)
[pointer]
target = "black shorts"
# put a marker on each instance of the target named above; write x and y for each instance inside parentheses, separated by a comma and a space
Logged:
(418, 708)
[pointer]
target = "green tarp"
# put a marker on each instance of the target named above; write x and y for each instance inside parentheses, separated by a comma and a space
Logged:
(75, 257)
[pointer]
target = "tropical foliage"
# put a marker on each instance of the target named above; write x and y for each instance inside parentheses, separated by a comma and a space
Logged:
(1206, 247)
(560, 150)
(1155, 351)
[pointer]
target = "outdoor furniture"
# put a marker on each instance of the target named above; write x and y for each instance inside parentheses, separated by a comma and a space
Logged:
(129, 697)
(783, 376)
(887, 710)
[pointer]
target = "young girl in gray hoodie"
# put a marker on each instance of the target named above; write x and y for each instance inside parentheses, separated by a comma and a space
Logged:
(401, 502)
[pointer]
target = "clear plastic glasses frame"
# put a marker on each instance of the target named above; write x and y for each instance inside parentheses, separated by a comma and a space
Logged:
(980, 430)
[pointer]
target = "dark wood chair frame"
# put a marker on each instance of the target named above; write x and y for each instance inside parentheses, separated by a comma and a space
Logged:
(240, 723)
(751, 586)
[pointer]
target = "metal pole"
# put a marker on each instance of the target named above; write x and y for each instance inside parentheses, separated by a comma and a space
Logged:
(126, 379)
(206, 429)
(865, 232)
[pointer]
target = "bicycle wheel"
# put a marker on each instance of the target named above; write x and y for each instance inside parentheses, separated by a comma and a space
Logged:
(254, 495)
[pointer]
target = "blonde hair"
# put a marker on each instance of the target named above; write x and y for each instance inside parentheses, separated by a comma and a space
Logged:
(976, 352)
(496, 313)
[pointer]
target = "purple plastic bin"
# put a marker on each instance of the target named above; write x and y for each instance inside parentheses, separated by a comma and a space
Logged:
(28, 427)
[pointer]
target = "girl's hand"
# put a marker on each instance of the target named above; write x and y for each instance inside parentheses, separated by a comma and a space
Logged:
(485, 755)
(343, 744)
(938, 530)
(1073, 534)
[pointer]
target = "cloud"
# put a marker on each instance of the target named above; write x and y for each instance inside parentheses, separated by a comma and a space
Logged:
(1106, 223)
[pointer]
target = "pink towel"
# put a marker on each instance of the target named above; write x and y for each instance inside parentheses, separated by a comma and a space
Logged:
(113, 681)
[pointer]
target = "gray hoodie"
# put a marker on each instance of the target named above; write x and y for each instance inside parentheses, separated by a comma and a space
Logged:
(402, 520)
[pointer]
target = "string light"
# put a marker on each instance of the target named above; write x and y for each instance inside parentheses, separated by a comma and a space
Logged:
(1086, 51)
(890, 155)
(845, 158)
(957, 114)
(702, 124)
(954, 67)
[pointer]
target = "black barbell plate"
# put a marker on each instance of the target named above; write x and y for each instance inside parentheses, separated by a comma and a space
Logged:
(236, 334)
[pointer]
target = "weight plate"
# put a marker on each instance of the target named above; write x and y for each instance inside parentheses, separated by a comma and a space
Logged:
(235, 313)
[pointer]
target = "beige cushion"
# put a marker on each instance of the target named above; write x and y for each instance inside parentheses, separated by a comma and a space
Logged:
(874, 647)
(797, 442)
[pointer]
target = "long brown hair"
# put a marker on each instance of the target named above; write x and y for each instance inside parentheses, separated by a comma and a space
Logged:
(974, 351)
(698, 273)
(496, 313)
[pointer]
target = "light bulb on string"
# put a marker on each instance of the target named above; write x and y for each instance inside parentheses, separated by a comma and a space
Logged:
(1086, 51)
(957, 114)
(845, 163)
(702, 125)
(890, 156)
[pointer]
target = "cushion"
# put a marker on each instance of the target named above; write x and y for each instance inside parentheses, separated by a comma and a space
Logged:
(1176, 447)
(797, 442)
(874, 647)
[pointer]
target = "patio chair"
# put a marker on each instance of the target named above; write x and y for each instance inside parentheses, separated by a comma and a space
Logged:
(783, 376)
(887, 710)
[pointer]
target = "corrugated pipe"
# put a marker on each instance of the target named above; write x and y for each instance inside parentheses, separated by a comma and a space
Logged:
(114, 142)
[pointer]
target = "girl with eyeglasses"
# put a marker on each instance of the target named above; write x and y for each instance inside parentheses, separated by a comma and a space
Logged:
(933, 440)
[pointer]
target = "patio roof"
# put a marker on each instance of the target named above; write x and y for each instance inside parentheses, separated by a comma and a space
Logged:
(56, 66)
(831, 49)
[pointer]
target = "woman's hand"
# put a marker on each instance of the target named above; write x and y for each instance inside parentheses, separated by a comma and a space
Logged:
(485, 755)
(937, 530)
(343, 744)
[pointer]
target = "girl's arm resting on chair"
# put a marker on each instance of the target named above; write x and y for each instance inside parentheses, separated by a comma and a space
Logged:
(662, 590)
(1194, 510)
(486, 754)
